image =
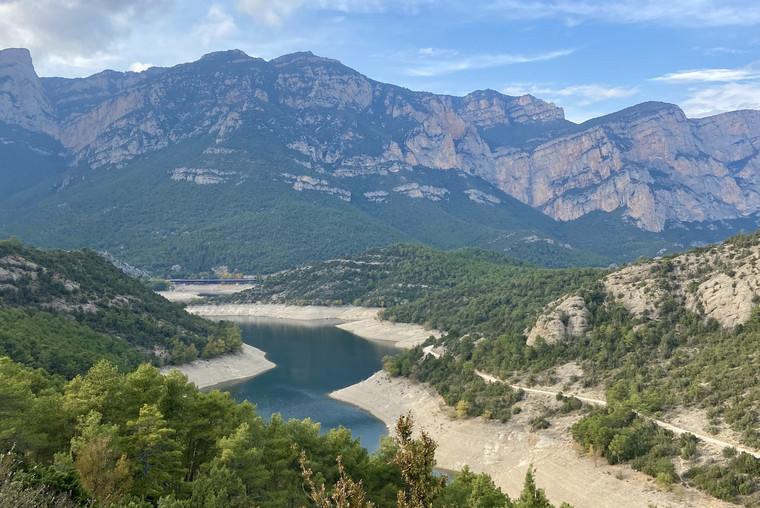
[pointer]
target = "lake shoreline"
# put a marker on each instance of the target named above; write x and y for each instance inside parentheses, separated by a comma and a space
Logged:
(250, 362)
(506, 450)
(361, 321)
(245, 364)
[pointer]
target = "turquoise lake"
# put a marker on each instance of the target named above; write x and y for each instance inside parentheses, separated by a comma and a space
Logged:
(313, 359)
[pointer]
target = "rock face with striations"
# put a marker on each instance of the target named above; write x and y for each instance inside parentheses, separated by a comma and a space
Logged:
(720, 282)
(22, 97)
(649, 162)
(563, 320)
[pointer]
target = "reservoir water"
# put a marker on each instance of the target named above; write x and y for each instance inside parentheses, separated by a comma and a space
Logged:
(312, 360)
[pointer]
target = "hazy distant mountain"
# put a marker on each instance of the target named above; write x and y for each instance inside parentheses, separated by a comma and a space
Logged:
(261, 164)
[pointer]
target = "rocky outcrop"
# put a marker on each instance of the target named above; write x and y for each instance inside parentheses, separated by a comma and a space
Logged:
(482, 198)
(650, 161)
(22, 98)
(637, 288)
(722, 283)
(201, 176)
(417, 191)
(564, 319)
(305, 182)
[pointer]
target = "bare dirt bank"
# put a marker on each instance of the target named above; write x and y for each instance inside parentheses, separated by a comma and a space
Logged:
(361, 321)
(190, 292)
(505, 451)
(248, 363)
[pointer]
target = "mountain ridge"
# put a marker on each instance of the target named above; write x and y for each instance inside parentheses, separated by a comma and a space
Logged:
(232, 125)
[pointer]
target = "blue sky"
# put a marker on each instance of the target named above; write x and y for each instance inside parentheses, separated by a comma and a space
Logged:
(590, 57)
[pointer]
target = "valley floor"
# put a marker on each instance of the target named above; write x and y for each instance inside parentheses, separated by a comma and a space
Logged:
(505, 451)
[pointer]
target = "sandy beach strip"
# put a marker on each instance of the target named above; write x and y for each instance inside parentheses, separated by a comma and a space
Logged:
(505, 451)
(247, 363)
(361, 321)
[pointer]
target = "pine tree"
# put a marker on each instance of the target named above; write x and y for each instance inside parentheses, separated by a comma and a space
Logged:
(416, 460)
(531, 496)
(103, 470)
(155, 453)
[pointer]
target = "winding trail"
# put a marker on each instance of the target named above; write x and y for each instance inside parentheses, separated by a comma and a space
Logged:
(602, 403)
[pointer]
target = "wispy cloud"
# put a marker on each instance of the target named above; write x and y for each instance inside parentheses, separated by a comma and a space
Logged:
(717, 90)
(75, 34)
(710, 75)
(275, 12)
(218, 24)
(721, 50)
(270, 12)
(721, 98)
(436, 62)
(671, 12)
(581, 95)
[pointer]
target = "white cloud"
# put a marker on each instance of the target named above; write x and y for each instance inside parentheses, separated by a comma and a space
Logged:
(670, 12)
(437, 52)
(721, 50)
(74, 33)
(275, 12)
(139, 66)
(271, 12)
(217, 25)
(708, 75)
(721, 98)
(718, 90)
(435, 62)
(581, 95)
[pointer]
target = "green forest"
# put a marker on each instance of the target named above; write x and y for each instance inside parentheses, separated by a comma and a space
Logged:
(466, 290)
(84, 421)
(485, 302)
(650, 366)
(143, 439)
(63, 311)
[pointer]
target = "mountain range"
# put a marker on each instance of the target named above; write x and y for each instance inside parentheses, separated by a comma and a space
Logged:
(260, 165)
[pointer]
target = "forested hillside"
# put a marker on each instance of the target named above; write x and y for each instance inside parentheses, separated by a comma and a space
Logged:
(670, 336)
(142, 439)
(673, 336)
(263, 165)
(63, 311)
(466, 290)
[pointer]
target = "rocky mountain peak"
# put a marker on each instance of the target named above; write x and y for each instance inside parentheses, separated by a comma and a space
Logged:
(228, 56)
(488, 108)
(22, 98)
(638, 112)
(303, 57)
(649, 163)
(17, 56)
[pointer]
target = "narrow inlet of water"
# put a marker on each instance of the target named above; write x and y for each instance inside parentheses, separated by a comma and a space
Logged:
(313, 359)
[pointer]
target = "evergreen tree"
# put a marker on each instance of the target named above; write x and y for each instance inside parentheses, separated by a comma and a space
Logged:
(103, 470)
(155, 453)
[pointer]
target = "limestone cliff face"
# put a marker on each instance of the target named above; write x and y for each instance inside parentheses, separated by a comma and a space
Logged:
(563, 320)
(22, 98)
(722, 282)
(649, 162)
